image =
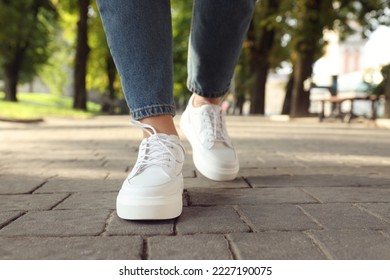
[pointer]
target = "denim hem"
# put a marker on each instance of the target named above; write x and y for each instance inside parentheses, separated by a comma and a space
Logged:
(153, 110)
(207, 94)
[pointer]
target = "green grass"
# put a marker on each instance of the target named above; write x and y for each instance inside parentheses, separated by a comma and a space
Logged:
(40, 105)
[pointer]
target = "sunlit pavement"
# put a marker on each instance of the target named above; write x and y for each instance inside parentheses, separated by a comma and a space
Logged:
(305, 190)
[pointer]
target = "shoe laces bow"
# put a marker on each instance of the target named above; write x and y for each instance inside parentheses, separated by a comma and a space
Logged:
(156, 150)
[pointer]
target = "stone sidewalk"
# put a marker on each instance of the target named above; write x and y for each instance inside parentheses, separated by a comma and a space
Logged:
(306, 190)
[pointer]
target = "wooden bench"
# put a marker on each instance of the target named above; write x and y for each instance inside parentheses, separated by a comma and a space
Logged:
(348, 116)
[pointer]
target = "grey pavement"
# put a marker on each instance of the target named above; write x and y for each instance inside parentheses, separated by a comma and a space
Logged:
(305, 190)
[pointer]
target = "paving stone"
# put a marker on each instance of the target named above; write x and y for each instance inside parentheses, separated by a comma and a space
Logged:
(82, 174)
(6, 217)
(30, 201)
(374, 172)
(350, 194)
(89, 200)
(343, 216)
(315, 180)
(256, 171)
(277, 217)
(354, 244)
(329, 162)
(95, 164)
(247, 163)
(58, 223)
(59, 185)
(39, 172)
(386, 233)
(117, 165)
(275, 160)
(312, 159)
(117, 226)
(210, 220)
(189, 172)
(382, 210)
(202, 182)
(19, 184)
(117, 176)
(274, 246)
(71, 248)
(188, 247)
(247, 196)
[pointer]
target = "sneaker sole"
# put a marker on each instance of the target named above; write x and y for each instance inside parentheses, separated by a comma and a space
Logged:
(214, 173)
(209, 171)
(150, 208)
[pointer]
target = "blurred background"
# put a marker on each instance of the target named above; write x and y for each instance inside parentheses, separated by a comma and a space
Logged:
(54, 58)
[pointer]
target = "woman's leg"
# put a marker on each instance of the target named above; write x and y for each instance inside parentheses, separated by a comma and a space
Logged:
(217, 33)
(140, 39)
(139, 35)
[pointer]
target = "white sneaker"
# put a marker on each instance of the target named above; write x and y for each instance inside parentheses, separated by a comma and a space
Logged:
(213, 153)
(153, 189)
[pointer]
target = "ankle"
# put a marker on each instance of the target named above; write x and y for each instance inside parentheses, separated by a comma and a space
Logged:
(161, 123)
(199, 101)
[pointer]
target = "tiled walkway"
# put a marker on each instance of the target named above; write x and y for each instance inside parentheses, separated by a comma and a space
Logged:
(306, 190)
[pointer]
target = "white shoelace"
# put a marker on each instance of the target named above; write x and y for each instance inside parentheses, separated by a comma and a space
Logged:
(155, 150)
(213, 119)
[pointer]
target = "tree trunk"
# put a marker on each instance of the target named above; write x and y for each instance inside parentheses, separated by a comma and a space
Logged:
(109, 105)
(387, 95)
(286, 110)
(258, 90)
(13, 68)
(11, 77)
(300, 101)
(240, 100)
(259, 53)
(82, 50)
(310, 32)
(111, 74)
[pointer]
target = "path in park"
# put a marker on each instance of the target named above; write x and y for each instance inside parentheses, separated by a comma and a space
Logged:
(306, 190)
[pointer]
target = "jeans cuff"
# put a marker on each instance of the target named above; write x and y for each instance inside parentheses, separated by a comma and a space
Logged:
(153, 110)
(207, 94)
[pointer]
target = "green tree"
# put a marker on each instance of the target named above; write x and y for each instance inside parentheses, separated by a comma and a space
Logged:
(27, 29)
(102, 73)
(387, 91)
(181, 22)
(312, 18)
(260, 39)
(54, 73)
(81, 58)
(384, 88)
(75, 17)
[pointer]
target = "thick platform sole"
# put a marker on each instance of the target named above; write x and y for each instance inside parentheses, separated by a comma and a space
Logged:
(208, 170)
(213, 172)
(156, 208)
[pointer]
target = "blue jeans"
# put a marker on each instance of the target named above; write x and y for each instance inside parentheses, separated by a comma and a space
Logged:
(139, 34)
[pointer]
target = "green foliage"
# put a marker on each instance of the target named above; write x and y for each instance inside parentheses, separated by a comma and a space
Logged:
(28, 27)
(298, 27)
(380, 88)
(181, 22)
(369, 14)
(99, 53)
(54, 73)
(47, 29)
